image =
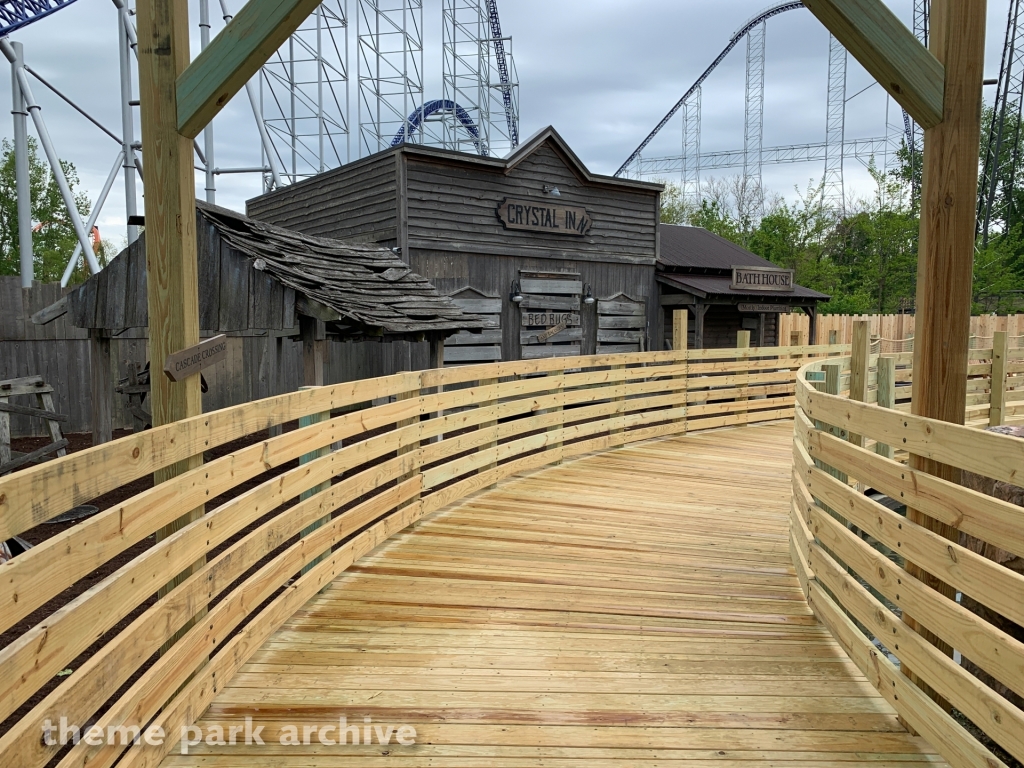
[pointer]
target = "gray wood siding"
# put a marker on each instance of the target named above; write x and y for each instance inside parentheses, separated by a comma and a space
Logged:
(452, 271)
(452, 207)
(357, 202)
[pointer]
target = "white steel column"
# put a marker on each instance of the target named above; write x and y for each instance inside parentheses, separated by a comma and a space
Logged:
(204, 40)
(51, 154)
(127, 122)
(21, 170)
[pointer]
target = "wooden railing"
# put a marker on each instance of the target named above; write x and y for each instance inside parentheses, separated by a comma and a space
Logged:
(855, 555)
(286, 514)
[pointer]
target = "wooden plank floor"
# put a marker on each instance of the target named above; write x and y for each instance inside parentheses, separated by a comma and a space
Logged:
(632, 608)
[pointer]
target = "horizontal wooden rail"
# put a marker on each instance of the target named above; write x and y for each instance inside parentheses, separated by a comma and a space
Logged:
(849, 551)
(286, 514)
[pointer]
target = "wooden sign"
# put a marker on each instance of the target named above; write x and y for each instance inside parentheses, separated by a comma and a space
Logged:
(189, 362)
(766, 309)
(552, 331)
(550, 319)
(762, 279)
(535, 216)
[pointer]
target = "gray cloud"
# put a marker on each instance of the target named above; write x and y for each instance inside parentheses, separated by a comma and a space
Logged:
(601, 71)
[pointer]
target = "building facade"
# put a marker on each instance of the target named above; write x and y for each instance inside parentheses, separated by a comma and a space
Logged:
(559, 261)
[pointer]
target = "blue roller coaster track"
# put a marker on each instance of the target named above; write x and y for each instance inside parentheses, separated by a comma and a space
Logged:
(441, 105)
(15, 14)
(740, 34)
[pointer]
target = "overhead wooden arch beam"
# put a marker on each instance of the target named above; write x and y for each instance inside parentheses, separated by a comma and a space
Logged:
(233, 57)
(889, 52)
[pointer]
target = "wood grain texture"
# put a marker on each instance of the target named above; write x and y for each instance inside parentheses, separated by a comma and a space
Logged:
(171, 260)
(507, 630)
(946, 242)
(233, 57)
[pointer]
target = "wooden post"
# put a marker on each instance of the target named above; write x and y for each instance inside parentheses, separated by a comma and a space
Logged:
(171, 270)
(997, 402)
(946, 251)
(488, 425)
(5, 433)
(833, 377)
(102, 386)
(680, 342)
(411, 446)
(435, 359)
(860, 361)
(743, 342)
(698, 324)
(314, 341)
(559, 390)
(621, 414)
(886, 390)
(306, 421)
(679, 329)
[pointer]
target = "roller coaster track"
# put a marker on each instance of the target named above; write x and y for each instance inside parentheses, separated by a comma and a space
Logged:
(740, 34)
(506, 83)
(15, 14)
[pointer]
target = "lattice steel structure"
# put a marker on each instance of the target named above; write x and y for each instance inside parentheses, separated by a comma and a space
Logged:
(754, 155)
(753, 113)
(304, 96)
(1002, 150)
(477, 76)
(690, 162)
(833, 195)
(861, 150)
(465, 58)
(389, 71)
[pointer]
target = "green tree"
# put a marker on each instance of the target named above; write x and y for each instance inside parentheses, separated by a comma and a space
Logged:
(53, 235)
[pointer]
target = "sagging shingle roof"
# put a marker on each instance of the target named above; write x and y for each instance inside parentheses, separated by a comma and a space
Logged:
(255, 276)
(363, 284)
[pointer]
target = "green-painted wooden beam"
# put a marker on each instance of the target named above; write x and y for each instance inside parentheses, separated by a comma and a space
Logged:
(889, 51)
(233, 57)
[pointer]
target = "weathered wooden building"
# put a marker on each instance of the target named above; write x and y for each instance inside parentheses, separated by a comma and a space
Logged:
(559, 260)
(291, 294)
(726, 289)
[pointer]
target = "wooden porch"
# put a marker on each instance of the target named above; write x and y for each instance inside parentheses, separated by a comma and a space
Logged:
(628, 608)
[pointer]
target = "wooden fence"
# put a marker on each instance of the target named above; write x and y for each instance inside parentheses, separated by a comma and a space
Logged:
(873, 575)
(895, 332)
(256, 556)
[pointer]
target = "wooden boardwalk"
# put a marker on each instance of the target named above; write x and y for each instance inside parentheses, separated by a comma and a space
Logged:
(632, 608)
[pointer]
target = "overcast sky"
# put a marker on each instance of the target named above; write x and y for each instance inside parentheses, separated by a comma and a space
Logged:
(603, 72)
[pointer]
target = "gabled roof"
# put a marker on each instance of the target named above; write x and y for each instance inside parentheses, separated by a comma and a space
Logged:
(695, 249)
(549, 134)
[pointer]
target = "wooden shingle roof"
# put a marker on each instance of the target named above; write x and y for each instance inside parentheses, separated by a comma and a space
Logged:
(255, 276)
(359, 285)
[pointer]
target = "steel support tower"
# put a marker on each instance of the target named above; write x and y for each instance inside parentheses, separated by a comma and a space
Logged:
(478, 76)
(304, 96)
(833, 194)
(753, 113)
(465, 77)
(690, 160)
(389, 71)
